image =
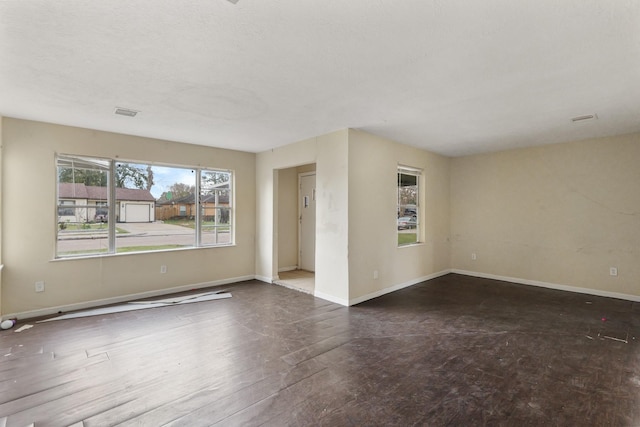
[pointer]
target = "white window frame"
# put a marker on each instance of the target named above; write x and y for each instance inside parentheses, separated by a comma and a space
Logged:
(108, 165)
(402, 208)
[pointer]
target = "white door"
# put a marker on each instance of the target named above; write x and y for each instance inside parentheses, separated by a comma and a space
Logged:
(307, 215)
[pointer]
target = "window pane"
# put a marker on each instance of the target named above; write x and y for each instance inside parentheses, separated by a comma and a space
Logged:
(407, 189)
(155, 207)
(66, 208)
(215, 201)
(408, 209)
(102, 211)
(82, 185)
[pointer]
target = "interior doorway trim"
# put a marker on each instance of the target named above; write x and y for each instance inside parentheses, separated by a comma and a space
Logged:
(301, 202)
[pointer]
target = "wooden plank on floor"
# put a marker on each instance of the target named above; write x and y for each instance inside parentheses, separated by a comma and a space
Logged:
(313, 350)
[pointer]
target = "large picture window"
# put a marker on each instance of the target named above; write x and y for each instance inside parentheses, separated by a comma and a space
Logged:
(107, 206)
(408, 206)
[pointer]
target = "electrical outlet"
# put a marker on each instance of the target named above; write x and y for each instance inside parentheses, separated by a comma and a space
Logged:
(473, 256)
(39, 286)
(613, 271)
(163, 269)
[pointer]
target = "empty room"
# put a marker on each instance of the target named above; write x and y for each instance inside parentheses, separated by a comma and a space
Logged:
(292, 213)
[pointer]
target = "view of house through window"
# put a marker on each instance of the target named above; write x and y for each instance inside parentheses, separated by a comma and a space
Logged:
(408, 206)
(107, 206)
(82, 201)
(215, 194)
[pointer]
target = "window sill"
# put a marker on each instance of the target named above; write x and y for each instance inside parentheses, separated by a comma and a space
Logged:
(410, 245)
(161, 251)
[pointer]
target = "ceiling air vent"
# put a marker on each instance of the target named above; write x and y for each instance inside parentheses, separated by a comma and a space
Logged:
(584, 118)
(126, 112)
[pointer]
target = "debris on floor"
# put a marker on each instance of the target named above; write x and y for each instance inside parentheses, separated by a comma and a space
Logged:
(610, 332)
(7, 324)
(625, 340)
(23, 328)
(184, 298)
(142, 305)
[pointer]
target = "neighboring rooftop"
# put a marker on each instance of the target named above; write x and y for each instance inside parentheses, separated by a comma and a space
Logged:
(89, 192)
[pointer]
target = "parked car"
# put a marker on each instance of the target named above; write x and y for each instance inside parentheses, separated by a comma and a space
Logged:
(101, 218)
(407, 222)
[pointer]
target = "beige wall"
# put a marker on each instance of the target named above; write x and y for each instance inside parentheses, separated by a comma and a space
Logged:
(28, 227)
(373, 242)
(1, 265)
(268, 166)
(560, 214)
(332, 218)
(330, 155)
(356, 213)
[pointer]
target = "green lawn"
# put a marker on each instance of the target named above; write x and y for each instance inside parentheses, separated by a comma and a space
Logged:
(190, 223)
(75, 226)
(407, 238)
(89, 226)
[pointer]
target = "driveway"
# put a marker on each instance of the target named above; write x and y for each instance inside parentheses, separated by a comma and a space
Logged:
(153, 228)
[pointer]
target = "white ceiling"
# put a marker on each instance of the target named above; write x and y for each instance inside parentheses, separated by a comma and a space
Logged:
(451, 76)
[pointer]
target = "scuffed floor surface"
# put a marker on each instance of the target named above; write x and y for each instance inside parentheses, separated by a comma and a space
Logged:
(452, 351)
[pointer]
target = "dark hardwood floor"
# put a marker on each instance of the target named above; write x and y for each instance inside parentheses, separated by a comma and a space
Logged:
(452, 351)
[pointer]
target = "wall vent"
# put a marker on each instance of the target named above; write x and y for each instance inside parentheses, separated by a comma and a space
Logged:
(126, 112)
(584, 118)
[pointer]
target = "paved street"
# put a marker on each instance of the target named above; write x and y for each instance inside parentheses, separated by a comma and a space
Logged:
(138, 235)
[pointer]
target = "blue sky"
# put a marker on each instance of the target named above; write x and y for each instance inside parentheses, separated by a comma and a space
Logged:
(164, 177)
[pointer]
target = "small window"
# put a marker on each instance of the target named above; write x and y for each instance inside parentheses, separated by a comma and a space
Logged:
(102, 208)
(408, 206)
(66, 208)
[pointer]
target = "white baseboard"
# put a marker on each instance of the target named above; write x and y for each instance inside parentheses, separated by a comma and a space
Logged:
(265, 279)
(397, 287)
(588, 291)
(123, 298)
(331, 298)
(324, 296)
(290, 268)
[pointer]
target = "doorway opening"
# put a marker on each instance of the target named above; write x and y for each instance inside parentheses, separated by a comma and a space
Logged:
(297, 228)
(300, 280)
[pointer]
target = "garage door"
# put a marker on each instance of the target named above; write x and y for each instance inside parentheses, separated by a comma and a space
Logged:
(137, 213)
